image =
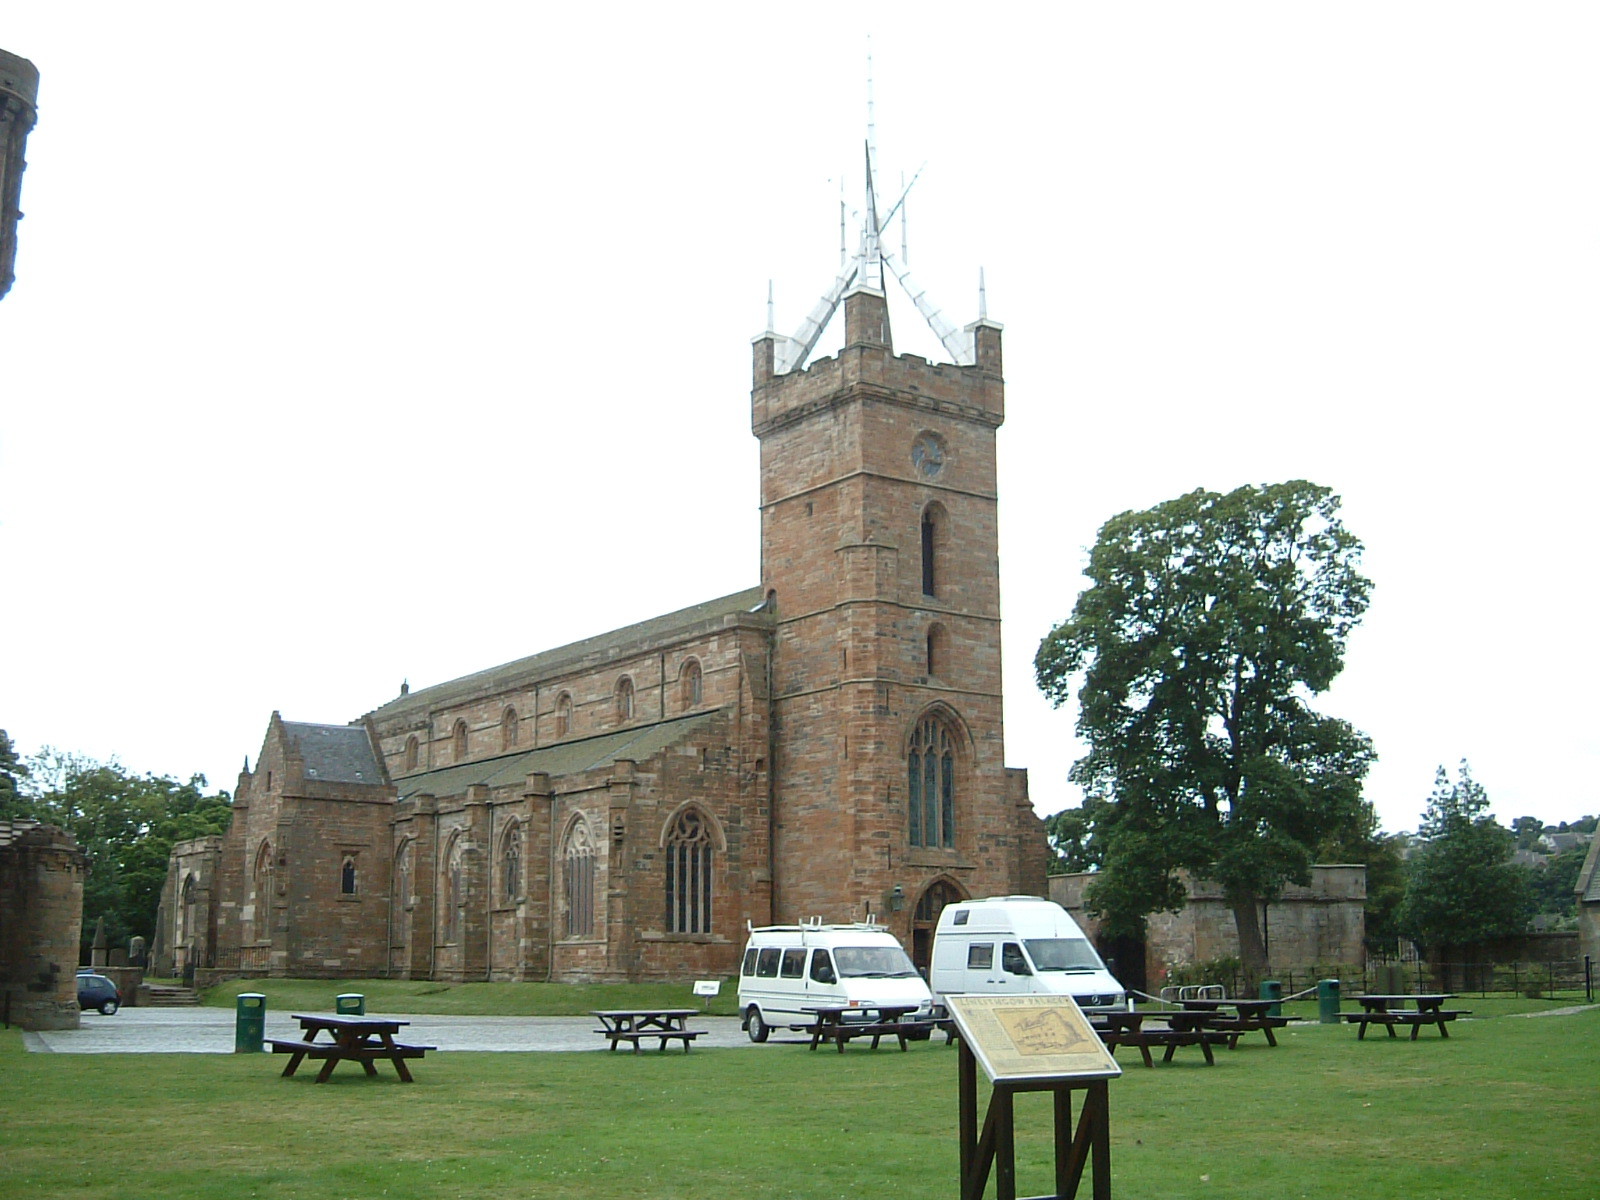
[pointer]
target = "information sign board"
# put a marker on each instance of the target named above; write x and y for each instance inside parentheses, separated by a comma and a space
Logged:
(1019, 1039)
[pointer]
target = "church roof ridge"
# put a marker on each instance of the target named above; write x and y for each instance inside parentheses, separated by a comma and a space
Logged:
(549, 662)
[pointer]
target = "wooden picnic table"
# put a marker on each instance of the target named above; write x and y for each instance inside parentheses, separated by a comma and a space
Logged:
(631, 1024)
(1178, 1028)
(876, 1021)
(350, 1038)
(1252, 1015)
(1390, 1011)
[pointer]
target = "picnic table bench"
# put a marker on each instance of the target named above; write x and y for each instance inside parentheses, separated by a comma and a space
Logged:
(1252, 1016)
(876, 1021)
(631, 1024)
(1387, 1011)
(1180, 1028)
(351, 1039)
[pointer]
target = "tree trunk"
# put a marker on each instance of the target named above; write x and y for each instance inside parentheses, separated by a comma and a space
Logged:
(1252, 947)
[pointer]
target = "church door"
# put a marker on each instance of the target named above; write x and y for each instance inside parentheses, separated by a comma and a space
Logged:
(925, 919)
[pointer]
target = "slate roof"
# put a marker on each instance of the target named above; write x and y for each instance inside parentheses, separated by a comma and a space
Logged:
(552, 662)
(335, 753)
(638, 743)
(1589, 875)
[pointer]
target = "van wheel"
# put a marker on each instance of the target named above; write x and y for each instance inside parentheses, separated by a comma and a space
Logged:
(757, 1027)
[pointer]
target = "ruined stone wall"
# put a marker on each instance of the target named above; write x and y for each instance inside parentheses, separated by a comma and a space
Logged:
(19, 93)
(1319, 925)
(42, 872)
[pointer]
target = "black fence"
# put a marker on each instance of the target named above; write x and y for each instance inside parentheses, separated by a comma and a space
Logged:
(1573, 979)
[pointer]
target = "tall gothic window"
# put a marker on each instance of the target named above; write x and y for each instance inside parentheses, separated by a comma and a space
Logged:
(454, 893)
(693, 692)
(511, 864)
(624, 699)
(402, 875)
(579, 861)
(563, 715)
(508, 729)
(263, 876)
(459, 741)
(689, 851)
(411, 753)
(347, 876)
(931, 786)
(930, 534)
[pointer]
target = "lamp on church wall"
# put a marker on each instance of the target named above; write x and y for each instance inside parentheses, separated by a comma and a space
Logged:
(897, 898)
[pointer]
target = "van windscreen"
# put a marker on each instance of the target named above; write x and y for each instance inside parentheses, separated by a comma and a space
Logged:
(1063, 954)
(873, 962)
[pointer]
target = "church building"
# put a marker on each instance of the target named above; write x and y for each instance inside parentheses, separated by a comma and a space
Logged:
(827, 743)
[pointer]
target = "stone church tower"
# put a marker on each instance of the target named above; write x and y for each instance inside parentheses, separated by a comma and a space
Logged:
(879, 556)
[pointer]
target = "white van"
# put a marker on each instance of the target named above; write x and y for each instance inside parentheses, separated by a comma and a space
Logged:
(787, 968)
(1020, 945)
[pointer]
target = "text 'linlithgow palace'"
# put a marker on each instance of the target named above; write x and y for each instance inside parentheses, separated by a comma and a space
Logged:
(828, 743)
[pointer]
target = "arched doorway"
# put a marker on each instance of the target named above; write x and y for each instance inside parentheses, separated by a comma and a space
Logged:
(925, 919)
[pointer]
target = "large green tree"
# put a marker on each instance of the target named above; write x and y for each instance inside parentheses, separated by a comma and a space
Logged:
(12, 772)
(127, 825)
(1461, 886)
(1210, 622)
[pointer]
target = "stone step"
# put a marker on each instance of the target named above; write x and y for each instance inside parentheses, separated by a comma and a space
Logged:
(170, 997)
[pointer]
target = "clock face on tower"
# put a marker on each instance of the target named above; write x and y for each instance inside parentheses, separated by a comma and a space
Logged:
(927, 455)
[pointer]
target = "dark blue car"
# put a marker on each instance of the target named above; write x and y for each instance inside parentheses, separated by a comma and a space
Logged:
(96, 991)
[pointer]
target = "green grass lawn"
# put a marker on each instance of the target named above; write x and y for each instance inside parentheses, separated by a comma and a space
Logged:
(1504, 1108)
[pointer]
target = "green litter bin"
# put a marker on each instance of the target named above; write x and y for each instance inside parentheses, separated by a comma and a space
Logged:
(1328, 1001)
(1272, 990)
(350, 1004)
(249, 1022)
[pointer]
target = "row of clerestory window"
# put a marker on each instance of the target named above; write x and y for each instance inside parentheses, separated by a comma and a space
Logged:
(691, 693)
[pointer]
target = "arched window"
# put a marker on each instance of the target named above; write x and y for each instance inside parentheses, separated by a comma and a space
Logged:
(931, 785)
(563, 715)
(263, 875)
(459, 742)
(578, 858)
(511, 863)
(508, 729)
(689, 853)
(934, 524)
(624, 699)
(453, 891)
(411, 753)
(402, 875)
(693, 693)
(347, 876)
(186, 912)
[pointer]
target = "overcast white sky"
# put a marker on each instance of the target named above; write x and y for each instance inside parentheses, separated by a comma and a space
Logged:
(358, 342)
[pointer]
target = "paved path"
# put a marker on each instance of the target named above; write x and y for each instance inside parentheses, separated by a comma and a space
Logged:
(210, 1031)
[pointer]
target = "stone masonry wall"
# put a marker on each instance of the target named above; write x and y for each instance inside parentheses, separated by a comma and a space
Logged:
(42, 872)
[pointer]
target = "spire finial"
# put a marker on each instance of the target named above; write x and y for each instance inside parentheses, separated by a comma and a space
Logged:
(770, 325)
(983, 298)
